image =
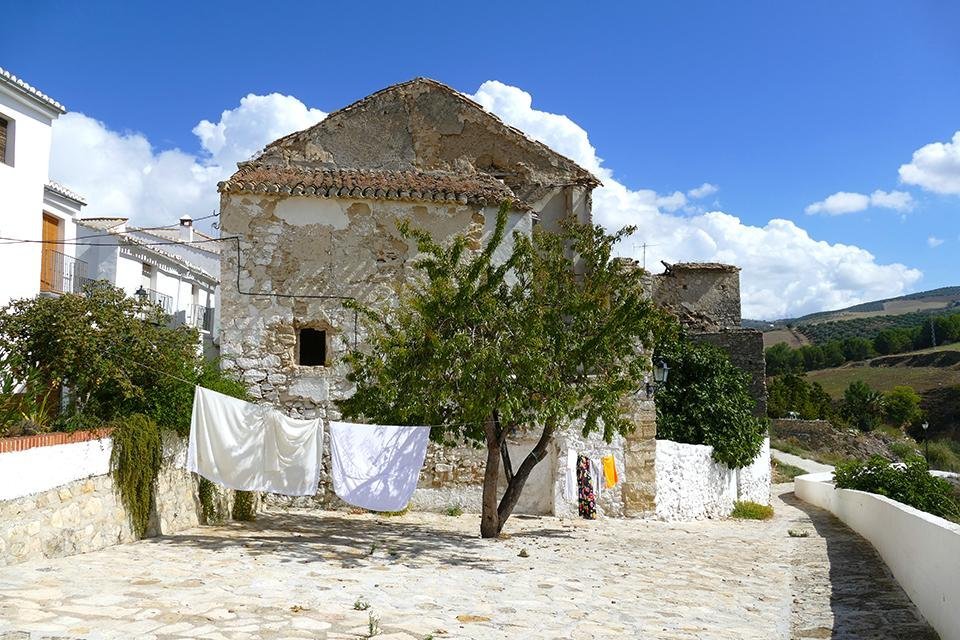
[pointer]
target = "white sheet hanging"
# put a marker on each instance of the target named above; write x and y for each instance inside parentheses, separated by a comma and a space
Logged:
(376, 467)
(249, 447)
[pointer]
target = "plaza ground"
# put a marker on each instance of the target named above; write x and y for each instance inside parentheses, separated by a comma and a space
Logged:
(310, 574)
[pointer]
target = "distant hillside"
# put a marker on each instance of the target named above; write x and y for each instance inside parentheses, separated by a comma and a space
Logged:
(862, 320)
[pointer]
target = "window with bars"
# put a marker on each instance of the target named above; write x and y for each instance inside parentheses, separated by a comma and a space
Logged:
(4, 125)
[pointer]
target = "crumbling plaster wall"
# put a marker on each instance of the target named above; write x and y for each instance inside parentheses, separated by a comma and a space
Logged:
(319, 246)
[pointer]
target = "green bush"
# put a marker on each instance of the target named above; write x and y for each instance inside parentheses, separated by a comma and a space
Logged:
(746, 510)
(909, 483)
(135, 463)
(707, 400)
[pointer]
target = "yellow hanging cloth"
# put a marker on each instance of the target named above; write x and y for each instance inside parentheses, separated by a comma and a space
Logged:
(609, 471)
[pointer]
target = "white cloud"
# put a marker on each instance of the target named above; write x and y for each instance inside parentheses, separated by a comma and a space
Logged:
(934, 241)
(704, 190)
(785, 271)
(896, 200)
(672, 202)
(846, 202)
(935, 167)
(122, 174)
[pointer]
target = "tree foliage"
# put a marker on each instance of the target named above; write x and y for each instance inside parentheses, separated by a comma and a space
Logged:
(488, 348)
(792, 393)
(114, 354)
(707, 401)
(902, 406)
(862, 407)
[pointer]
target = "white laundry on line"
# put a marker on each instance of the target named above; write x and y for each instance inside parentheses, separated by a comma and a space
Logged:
(249, 447)
(376, 467)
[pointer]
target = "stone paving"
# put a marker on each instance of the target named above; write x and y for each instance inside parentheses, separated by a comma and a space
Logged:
(333, 575)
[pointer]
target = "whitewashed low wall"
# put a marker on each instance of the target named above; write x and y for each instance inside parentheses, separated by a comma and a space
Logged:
(691, 485)
(23, 473)
(921, 550)
(59, 500)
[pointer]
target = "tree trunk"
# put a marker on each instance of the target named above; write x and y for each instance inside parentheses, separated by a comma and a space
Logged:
(489, 519)
(515, 486)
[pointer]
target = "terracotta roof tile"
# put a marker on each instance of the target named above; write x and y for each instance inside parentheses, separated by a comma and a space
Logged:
(103, 224)
(59, 189)
(433, 186)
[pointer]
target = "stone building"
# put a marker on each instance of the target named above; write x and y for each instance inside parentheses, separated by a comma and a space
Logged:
(316, 215)
(705, 297)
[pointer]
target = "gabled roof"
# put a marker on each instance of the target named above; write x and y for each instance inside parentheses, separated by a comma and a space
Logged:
(423, 128)
(26, 90)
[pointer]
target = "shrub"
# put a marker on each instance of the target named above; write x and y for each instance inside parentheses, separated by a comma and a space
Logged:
(783, 472)
(454, 511)
(902, 406)
(135, 463)
(862, 406)
(746, 510)
(706, 400)
(909, 483)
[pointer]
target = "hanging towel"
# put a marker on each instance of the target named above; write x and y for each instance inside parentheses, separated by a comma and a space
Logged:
(596, 477)
(376, 467)
(249, 447)
(570, 477)
(609, 471)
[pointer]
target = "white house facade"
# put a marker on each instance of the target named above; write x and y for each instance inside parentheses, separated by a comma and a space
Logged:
(31, 206)
(174, 267)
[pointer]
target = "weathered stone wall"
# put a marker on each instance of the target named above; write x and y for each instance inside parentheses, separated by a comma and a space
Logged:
(745, 348)
(302, 246)
(86, 514)
(704, 296)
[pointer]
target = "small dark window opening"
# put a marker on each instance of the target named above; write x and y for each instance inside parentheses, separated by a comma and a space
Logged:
(311, 347)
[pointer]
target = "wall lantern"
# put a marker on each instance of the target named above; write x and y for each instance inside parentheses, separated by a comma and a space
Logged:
(660, 373)
(141, 294)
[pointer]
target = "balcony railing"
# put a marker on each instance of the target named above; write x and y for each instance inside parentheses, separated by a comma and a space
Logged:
(164, 301)
(199, 316)
(60, 273)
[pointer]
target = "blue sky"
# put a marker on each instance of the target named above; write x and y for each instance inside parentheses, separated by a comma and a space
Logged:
(779, 105)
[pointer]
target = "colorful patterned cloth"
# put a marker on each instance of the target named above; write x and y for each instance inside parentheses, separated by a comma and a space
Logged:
(586, 500)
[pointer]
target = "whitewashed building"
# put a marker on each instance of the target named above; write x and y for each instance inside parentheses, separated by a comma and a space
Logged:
(32, 207)
(173, 266)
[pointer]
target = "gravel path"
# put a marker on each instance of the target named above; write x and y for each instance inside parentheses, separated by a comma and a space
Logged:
(313, 575)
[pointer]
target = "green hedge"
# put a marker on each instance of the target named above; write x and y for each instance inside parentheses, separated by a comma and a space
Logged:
(909, 483)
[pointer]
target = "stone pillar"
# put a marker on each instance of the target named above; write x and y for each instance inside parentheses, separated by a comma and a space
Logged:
(639, 457)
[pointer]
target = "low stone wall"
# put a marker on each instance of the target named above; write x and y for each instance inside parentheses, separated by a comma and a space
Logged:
(81, 511)
(691, 485)
(921, 550)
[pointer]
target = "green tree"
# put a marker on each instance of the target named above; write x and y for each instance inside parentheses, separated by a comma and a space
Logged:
(862, 406)
(781, 359)
(549, 337)
(902, 406)
(707, 401)
(107, 348)
(792, 393)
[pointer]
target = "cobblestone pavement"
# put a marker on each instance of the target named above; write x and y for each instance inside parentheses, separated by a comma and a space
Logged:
(333, 575)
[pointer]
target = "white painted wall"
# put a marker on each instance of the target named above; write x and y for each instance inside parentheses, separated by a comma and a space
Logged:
(21, 193)
(921, 550)
(691, 485)
(24, 473)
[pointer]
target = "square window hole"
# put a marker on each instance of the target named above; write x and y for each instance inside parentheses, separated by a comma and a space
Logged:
(311, 347)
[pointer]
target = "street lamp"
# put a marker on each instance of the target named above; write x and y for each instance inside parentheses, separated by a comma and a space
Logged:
(926, 442)
(660, 373)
